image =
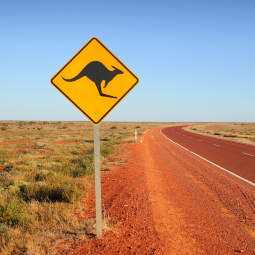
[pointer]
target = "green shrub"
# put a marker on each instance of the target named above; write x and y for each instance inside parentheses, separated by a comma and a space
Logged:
(56, 188)
(113, 127)
(12, 189)
(229, 135)
(137, 127)
(3, 128)
(3, 151)
(78, 166)
(74, 171)
(8, 166)
(105, 139)
(107, 150)
(42, 175)
(81, 171)
(4, 236)
(3, 228)
(88, 141)
(21, 123)
(82, 161)
(11, 211)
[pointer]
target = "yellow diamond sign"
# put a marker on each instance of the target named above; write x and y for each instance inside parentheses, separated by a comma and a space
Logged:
(95, 80)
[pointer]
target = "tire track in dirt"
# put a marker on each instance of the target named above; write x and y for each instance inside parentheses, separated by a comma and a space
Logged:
(169, 218)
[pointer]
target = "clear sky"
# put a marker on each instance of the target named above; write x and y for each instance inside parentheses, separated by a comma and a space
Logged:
(195, 59)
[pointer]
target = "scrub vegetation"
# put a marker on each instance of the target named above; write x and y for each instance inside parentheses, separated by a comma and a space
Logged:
(46, 172)
(241, 132)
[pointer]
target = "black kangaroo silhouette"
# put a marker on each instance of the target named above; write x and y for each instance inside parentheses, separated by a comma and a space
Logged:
(97, 72)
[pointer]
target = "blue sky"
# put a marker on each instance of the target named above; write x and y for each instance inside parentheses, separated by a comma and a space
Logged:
(195, 59)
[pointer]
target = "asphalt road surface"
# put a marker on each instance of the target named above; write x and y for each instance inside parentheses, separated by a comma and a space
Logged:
(235, 157)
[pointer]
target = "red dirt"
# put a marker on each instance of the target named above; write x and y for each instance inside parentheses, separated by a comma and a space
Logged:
(45, 152)
(168, 201)
(63, 143)
(40, 153)
(15, 142)
(28, 142)
(32, 149)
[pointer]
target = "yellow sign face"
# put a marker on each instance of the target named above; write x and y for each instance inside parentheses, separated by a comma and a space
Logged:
(95, 80)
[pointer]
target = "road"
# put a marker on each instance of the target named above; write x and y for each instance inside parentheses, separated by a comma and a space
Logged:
(235, 157)
(161, 199)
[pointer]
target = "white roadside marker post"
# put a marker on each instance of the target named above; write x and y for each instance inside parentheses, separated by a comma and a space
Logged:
(135, 134)
(97, 180)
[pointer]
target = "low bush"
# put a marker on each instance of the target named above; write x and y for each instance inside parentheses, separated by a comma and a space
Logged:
(107, 150)
(8, 167)
(3, 151)
(11, 211)
(55, 188)
(82, 161)
(105, 139)
(4, 235)
(81, 171)
(21, 123)
(229, 135)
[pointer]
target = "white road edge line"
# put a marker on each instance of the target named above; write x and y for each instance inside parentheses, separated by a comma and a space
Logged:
(253, 184)
(248, 154)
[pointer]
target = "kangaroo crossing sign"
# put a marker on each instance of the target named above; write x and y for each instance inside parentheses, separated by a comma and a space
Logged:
(95, 80)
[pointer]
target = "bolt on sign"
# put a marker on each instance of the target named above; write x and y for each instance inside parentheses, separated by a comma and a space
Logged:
(94, 80)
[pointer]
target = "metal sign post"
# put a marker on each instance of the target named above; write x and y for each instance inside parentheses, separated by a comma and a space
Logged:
(97, 180)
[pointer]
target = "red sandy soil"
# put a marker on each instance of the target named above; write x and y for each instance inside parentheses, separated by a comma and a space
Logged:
(63, 143)
(28, 142)
(165, 200)
(15, 142)
(35, 149)
(45, 152)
